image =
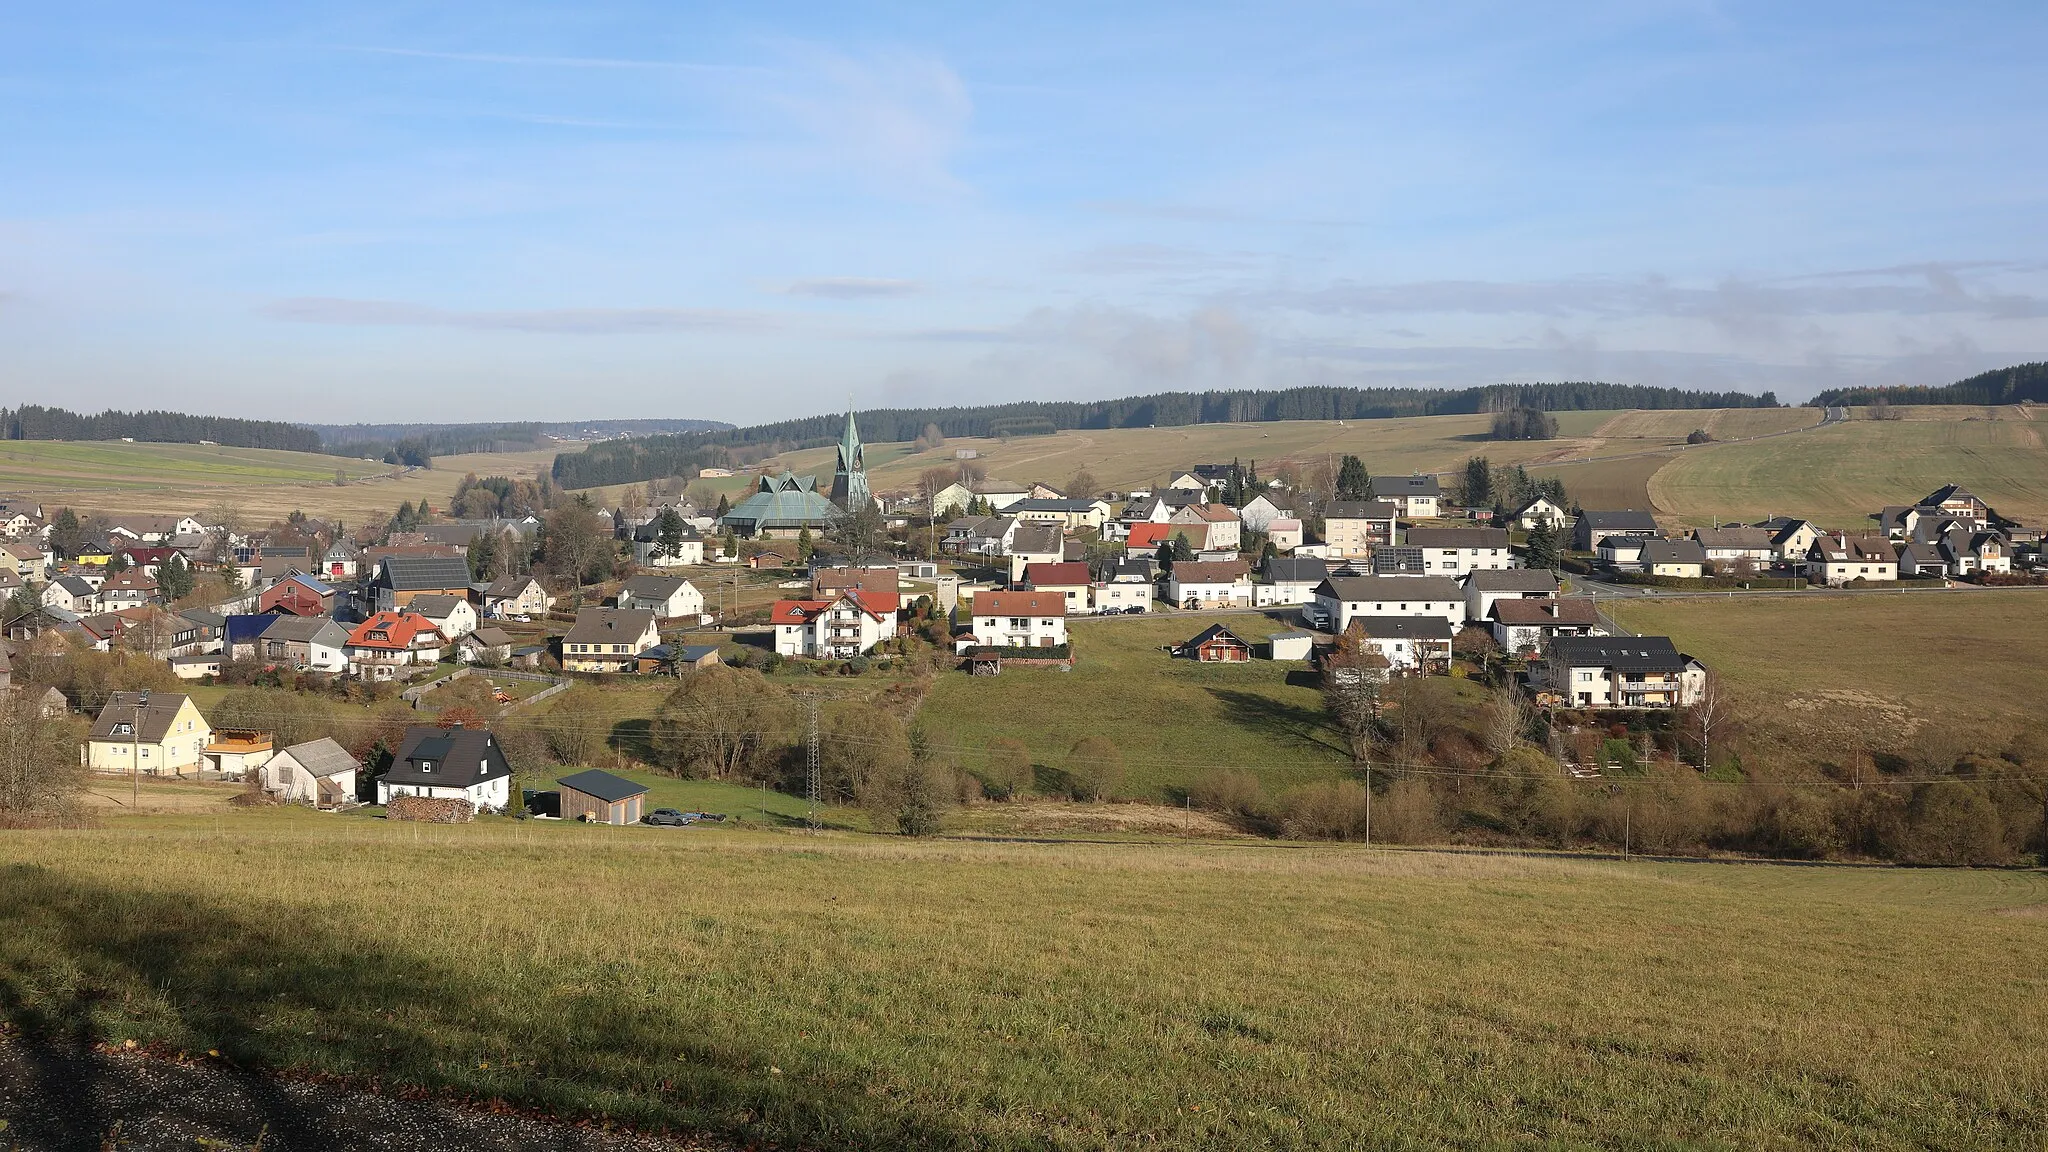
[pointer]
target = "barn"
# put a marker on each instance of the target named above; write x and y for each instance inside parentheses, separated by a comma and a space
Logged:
(601, 798)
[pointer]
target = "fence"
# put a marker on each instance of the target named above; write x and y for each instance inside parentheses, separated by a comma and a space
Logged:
(556, 685)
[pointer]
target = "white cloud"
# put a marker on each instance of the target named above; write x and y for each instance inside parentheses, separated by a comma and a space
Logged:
(850, 287)
(893, 119)
(554, 321)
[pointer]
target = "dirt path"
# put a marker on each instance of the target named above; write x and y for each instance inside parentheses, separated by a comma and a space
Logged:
(59, 1097)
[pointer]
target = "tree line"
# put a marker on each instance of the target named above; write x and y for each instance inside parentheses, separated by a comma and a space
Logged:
(630, 461)
(2018, 384)
(35, 422)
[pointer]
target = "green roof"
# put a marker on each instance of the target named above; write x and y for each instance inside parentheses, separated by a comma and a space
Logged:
(785, 501)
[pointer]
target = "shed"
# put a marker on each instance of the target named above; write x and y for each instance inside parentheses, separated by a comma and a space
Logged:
(1218, 645)
(1296, 645)
(601, 798)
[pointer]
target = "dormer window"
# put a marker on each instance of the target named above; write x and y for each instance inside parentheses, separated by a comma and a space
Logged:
(426, 765)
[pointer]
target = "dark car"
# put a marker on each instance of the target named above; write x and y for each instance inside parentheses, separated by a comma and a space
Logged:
(668, 817)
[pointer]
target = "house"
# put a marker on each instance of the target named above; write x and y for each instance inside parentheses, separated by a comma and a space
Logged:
(200, 630)
(1212, 584)
(595, 797)
(835, 629)
(145, 560)
(1956, 501)
(1736, 549)
(1260, 511)
(449, 764)
(1284, 533)
(1623, 553)
(1838, 560)
(1150, 510)
(1209, 527)
(275, 564)
(233, 753)
(1924, 560)
(389, 641)
(1417, 644)
(1356, 527)
(1619, 672)
(453, 615)
(1123, 584)
(72, 594)
(1070, 580)
(1540, 512)
(400, 578)
(154, 529)
(1291, 580)
(1018, 620)
(1417, 497)
(26, 558)
(488, 644)
(129, 589)
(696, 657)
(1071, 515)
(1456, 551)
(956, 498)
(10, 583)
(608, 639)
(1035, 544)
(1216, 645)
(516, 596)
(1341, 599)
(1294, 645)
(1592, 527)
(1521, 626)
(648, 550)
(318, 772)
(154, 733)
(312, 643)
(668, 597)
(1683, 558)
(979, 535)
(298, 596)
(1485, 589)
(196, 666)
(1144, 539)
(340, 560)
(1187, 482)
(829, 582)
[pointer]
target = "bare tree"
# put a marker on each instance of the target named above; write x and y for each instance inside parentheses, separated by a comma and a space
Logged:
(1082, 485)
(931, 482)
(1354, 681)
(1709, 711)
(39, 768)
(1506, 718)
(717, 724)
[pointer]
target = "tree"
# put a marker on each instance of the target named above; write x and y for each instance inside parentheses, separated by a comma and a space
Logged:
(117, 563)
(1524, 424)
(668, 534)
(861, 530)
(1182, 550)
(1505, 719)
(1478, 483)
(1699, 436)
(67, 535)
(1083, 485)
(1354, 680)
(483, 556)
(1707, 714)
(1541, 549)
(934, 437)
(1095, 766)
(574, 543)
(1163, 559)
(1352, 481)
(718, 724)
(724, 505)
(40, 772)
(930, 483)
(1008, 774)
(805, 546)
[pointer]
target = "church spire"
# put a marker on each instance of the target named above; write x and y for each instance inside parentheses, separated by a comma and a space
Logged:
(850, 477)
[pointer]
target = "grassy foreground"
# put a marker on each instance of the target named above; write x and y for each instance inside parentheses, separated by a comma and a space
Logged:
(856, 993)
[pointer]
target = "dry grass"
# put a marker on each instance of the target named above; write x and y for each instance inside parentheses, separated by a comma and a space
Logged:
(865, 993)
(1722, 423)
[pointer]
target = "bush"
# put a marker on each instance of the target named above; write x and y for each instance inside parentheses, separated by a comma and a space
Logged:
(1950, 822)
(1229, 792)
(1699, 436)
(1096, 767)
(1008, 772)
(1336, 810)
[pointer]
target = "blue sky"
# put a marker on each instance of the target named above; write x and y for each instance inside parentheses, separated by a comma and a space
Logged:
(500, 211)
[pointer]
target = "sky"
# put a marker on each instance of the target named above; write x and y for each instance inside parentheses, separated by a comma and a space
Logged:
(461, 212)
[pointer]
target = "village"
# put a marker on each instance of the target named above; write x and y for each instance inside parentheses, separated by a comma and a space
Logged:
(1374, 580)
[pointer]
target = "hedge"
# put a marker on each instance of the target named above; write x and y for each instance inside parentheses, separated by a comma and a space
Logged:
(1057, 652)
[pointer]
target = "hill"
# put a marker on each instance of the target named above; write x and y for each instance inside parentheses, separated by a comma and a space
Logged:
(35, 422)
(2021, 383)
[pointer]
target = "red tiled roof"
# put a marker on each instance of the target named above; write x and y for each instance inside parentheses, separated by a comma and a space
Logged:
(1057, 575)
(398, 629)
(796, 611)
(1149, 536)
(1020, 604)
(876, 604)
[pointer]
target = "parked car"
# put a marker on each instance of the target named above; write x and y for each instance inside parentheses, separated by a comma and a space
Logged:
(668, 818)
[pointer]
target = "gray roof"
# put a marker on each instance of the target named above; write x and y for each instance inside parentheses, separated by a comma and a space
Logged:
(1617, 520)
(322, 757)
(507, 587)
(76, 585)
(603, 785)
(1045, 505)
(652, 587)
(306, 630)
(1406, 589)
(1383, 486)
(609, 625)
(435, 607)
(1458, 537)
(1673, 552)
(1360, 510)
(1037, 538)
(1297, 570)
(1513, 580)
(1621, 653)
(1758, 538)
(120, 708)
(1404, 627)
(460, 757)
(422, 573)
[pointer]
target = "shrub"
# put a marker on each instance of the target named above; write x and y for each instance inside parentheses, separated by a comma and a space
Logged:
(1229, 792)
(1407, 814)
(1096, 767)
(1950, 822)
(1008, 772)
(1334, 810)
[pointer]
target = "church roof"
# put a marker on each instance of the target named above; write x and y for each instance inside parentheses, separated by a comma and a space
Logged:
(785, 501)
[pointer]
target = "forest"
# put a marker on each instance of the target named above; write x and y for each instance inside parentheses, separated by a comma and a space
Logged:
(2019, 384)
(35, 422)
(377, 441)
(627, 461)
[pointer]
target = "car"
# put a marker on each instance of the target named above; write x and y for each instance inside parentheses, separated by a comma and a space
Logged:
(669, 818)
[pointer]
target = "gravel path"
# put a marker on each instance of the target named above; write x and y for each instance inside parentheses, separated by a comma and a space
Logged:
(54, 1100)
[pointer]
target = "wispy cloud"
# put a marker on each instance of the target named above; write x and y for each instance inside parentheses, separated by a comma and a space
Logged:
(523, 61)
(850, 287)
(1129, 259)
(552, 321)
(893, 118)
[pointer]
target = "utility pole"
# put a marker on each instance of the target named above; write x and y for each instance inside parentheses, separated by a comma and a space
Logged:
(811, 772)
(1368, 803)
(135, 751)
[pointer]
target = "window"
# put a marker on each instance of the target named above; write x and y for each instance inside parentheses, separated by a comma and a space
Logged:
(426, 765)
(1586, 677)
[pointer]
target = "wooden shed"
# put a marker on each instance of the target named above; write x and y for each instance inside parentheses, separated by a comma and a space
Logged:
(601, 798)
(1218, 644)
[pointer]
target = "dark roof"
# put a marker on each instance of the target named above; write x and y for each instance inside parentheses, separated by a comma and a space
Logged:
(1406, 486)
(423, 573)
(1458, 537)
(1297, 570)
(1123, 566)
(609, 625)
(437, 606)
(653, 587)
(306, 630)
(1210, 571)
(1404, 589)
(603, 785)
(1404, 627)
(1216, 632)
(1621, 653)
(322, 757)
(507, 587)
(1360, 510)
(1673, 552)
(1044, 505)
(691, 653)
(1513, 580)
(1617, 520)
(1573, 611)
(76, 585)
(156, 718)
(460, 757)
(244, 628)
(1038, 539)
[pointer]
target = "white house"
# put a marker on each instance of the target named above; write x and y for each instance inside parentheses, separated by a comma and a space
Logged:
(1035, 544)
(1528, 625)
(1291, 580)
(1209, 527)
(1456, 551)
(1123, 585)
(1260, 511)
(516, 596)
(1019, 619)
(1538, 513)
(1212, 584)
(1071, 515)
(649, 552)
(1342, 599)
(1483, 589)
(455, 616)
(72, 594)
(608, 639)
(318, 772)
(1619, 672)
(1838, 560)
(1406, 643)
(1416, 496)
(1728, 549)
(669, 597)
(449, 764)
(838, 629)
(1356, 527)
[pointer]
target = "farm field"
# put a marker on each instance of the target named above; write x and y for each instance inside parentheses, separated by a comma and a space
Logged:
(856, 992)
(114, 478)
(1840, 474)
(1721, 423)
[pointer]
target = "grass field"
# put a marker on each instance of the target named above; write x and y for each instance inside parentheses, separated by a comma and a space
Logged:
(114, 478)
(1722, 423)
(1841, 474)
(855, 993)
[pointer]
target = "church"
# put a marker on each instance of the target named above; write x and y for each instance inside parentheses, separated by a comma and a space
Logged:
(787, 504)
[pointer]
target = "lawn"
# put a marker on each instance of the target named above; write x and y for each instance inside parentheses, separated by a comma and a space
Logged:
(1839, 475)
(744, 806)
(854, 992)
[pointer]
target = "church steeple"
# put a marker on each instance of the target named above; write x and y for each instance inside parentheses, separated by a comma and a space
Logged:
(850, 477)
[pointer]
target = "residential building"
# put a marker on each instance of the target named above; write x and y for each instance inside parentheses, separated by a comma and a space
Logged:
(1291, 580)
(1070, 580)
(668, 597)
(1456, 551)
(1623, 553)
(129, 589)
(516, 596)
(596, 797)
(27, 559)
(957, 498)
(1260, 511)
(381, 646)
(233, 753)
(154, 733)
(1418, 497)
(1071, 515)
(1415, 644)
(1524, 626)
(1736, 549)
(1284, 533)
(1956, 501)
(1839, 560)
(400, 578)
(154, 529)
(1216, 584)
(1342, 599)
(449, 764)
(489, 644)
(1392, 560)
(311, 643)
(1594, 526)
(1035, 544)
(836, 629)
(1485, 589)
(1144, 539)
(1683, 558)
(455, 616)
(649, 552)
(870, 575)
(1537, 513)
(1123, 585)
(1356, 527)
(1216, 645)
(1209, 527)
(1619, 672)
(72, 594)
(1292, 645)
(317, 772)
(340, 560)
(979, 535)
(298, 596)
(608, 639)
(1019, 619)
